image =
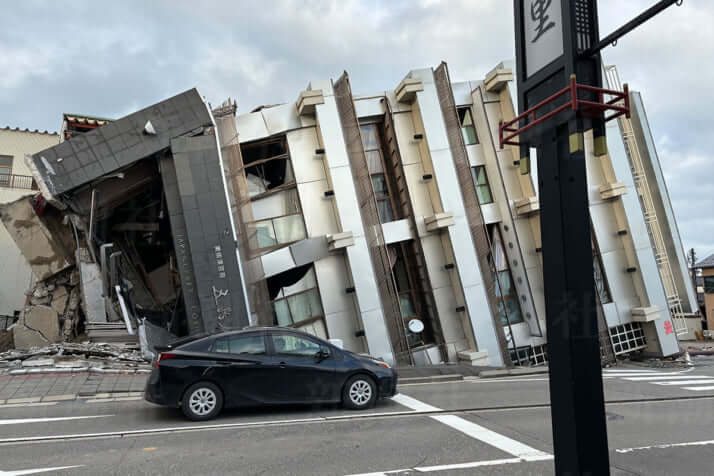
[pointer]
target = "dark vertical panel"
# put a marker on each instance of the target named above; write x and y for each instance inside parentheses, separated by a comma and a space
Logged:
(370, 219)
(474, 214)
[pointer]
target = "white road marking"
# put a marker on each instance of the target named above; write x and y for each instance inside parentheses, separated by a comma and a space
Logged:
(449, 467)
(686, 382)
(665, 377)
(624, 371)
(478, 432)
(20, 405)
(37, 470)
(698, 389)
(667, 445)
(413, 403)
(17, 421)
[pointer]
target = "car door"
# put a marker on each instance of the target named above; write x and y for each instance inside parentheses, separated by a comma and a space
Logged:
(303, 375)
(243, 368)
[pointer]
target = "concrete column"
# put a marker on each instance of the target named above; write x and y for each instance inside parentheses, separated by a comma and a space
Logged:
(475, 294)
(349, 218)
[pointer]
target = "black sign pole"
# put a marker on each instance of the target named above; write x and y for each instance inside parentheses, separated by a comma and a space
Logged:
(576, 391)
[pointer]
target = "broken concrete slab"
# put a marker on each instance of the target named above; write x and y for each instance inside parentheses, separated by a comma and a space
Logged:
(42, 247)
(59, 299)
(37, 327)
(36, 362)
(92, 291)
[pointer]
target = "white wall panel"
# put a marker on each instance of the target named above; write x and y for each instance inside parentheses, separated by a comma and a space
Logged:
(251, 127)
(317, 210)
(307, 166)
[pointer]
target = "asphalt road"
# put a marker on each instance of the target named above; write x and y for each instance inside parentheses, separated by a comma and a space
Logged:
(659, 423)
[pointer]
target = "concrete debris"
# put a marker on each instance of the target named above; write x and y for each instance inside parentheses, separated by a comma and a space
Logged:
(38, 325)
(70, 355)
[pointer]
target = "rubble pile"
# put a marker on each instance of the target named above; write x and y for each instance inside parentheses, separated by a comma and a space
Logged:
(76, 357)
(53, 312)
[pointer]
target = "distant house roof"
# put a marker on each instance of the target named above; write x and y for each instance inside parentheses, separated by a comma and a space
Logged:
(36, 131)
(86, 120)
(707, 262)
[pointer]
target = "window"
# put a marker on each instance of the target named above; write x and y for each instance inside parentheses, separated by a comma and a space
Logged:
(627, 337)
(408, 296)
(509, 309)
(295, 345)
(240, 344)
(296, 299)
(5, 170)
(709, 284)
(601, 287)
(378, 172)
(483, 190)
(278, 220)
(467, 126)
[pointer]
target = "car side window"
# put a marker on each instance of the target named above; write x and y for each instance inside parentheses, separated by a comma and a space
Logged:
(252, 344)
(295, 345)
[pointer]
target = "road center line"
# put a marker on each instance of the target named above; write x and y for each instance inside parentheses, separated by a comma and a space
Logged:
(478, 432)
(17, 421)
(666, 445)
(666, 377)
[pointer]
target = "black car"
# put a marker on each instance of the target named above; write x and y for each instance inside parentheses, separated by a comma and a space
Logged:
(264, 366)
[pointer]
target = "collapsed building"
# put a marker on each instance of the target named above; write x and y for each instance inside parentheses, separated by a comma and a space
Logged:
(393, 222)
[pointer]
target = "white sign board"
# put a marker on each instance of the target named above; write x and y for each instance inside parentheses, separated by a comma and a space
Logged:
(543, 28)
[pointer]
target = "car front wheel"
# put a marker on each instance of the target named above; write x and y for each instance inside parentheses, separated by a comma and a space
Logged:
(202, 401)
(359, 393)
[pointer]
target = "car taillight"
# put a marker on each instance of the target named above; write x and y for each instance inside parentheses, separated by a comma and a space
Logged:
(164, 356)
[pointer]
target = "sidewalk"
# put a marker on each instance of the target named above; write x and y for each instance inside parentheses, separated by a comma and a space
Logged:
(31, 388)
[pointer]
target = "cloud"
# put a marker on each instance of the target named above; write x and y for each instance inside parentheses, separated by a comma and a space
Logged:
(109, 59)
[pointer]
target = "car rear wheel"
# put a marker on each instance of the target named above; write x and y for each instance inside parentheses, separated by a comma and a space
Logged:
(202, 401)
(359, 392)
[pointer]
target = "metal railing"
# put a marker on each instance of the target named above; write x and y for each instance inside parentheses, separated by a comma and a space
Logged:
(648, 209)
(24, 182)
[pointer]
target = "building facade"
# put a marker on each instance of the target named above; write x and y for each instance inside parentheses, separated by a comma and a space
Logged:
(395, 223)
(705, 278)
(16, 181)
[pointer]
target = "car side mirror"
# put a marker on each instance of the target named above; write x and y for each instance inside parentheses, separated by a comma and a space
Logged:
(321, 355)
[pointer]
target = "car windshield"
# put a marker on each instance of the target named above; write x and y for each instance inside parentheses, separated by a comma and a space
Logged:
(354, 238)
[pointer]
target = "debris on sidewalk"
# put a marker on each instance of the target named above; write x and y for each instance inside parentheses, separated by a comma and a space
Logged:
(79, 357)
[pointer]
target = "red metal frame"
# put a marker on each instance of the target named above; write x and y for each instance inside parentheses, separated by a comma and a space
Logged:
(507, 132)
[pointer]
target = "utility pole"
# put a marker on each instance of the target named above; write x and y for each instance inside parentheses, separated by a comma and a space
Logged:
(560, 96)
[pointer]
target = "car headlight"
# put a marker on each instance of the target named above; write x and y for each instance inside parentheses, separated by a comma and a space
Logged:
(382, 364)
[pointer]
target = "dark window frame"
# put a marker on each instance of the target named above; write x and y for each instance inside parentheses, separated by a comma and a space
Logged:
(708, 288)
(386, 173)
(462, 111)
(481, 186)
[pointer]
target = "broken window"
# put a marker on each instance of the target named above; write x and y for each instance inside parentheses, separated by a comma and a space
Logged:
(467, 126)
(267, 166)
(381, 175)
(295, 297)
(483, 189)
(277, 216)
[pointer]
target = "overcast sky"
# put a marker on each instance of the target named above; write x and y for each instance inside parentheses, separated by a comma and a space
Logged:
(111, 58)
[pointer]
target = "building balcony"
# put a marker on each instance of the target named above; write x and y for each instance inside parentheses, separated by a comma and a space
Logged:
(22, 182)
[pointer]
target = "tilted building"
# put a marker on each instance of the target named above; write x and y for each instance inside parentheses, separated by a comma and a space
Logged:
(393, 222)
(425, 218)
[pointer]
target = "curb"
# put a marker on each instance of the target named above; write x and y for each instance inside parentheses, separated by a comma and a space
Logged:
(512, 372)
(430, 379)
